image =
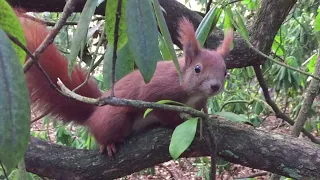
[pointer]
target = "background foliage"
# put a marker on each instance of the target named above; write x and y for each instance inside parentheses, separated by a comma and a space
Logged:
(295, 45)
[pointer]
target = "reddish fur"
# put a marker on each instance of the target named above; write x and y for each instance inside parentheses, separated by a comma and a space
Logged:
(224, 48)
(43, 97)
(110, 124)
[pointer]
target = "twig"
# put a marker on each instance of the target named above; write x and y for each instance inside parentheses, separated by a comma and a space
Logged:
(115, 46)
(253, 175)
(129, 103)
(91, 69)
(49, 23)
(275, 108)
(208, 6)
(277, 62)
(96, 64)
(4, 171)
(67, 10)
(41, 116)
(18, 43)
(309, 97)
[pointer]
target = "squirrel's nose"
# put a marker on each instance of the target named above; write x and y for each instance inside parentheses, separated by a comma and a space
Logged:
(215, 87)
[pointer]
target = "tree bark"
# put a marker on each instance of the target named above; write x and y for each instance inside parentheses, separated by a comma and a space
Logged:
(309, 97)
(284, 155)
(266, 25)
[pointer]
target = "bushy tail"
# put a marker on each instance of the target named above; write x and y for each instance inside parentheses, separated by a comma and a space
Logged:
(43, 96)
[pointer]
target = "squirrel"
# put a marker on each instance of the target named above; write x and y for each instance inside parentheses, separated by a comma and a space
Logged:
(203, 73)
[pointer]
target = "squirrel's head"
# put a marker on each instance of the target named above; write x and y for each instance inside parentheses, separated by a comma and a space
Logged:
(204, 72)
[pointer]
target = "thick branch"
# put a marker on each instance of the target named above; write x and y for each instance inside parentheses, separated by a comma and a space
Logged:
(275, 153)
(269, 19)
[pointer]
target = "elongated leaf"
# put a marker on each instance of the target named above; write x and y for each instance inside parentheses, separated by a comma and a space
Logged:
(10, 24)
(182, 137)
(111, 13)
(14, 106)
(124, 64)
(80, 35)
(241, 26)
(163, 102)
(209, 21)
(143, 36)
(233, 117)
(166, 35)
(164, 49)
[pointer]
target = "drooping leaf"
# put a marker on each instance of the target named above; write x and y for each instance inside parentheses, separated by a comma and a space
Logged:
(11, 24)
(163, 102)
(238, 22)
(241, 26)
(124, 64)
(143, 36)
(111, 13)
(182, 137)
(207, 24)
(166, 35)
(79, 38)
(233, 117)
(14, 106)
(164, 49)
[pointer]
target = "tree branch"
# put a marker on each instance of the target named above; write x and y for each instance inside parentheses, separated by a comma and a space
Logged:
(309, 97)
(266, 25)
(275, 108)
(67, 10)
(259, 150)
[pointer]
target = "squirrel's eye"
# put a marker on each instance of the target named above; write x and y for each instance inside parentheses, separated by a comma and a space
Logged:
(197, 69)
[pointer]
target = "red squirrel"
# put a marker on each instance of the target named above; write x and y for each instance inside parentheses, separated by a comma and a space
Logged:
(203, 74)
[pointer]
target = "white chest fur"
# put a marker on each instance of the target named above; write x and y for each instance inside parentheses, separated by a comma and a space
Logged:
(193, 100)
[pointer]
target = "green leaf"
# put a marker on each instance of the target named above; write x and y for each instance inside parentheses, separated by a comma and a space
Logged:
(312, 62)
(182, 137)
(277, 47)
(207, 24)
(124, 64)
(15, 175)
(241, 26)
(233, 117)
(164, 49)
(111, 13)
(143, 36)
(11, 24)
(162, 102)
(80, 35)
(317, 23)
(238, 22)
(14, 106)
(258, 107)
(166, 35)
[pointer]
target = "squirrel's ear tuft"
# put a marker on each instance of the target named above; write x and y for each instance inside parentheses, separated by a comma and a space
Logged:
(191, 46)
(224, 48)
